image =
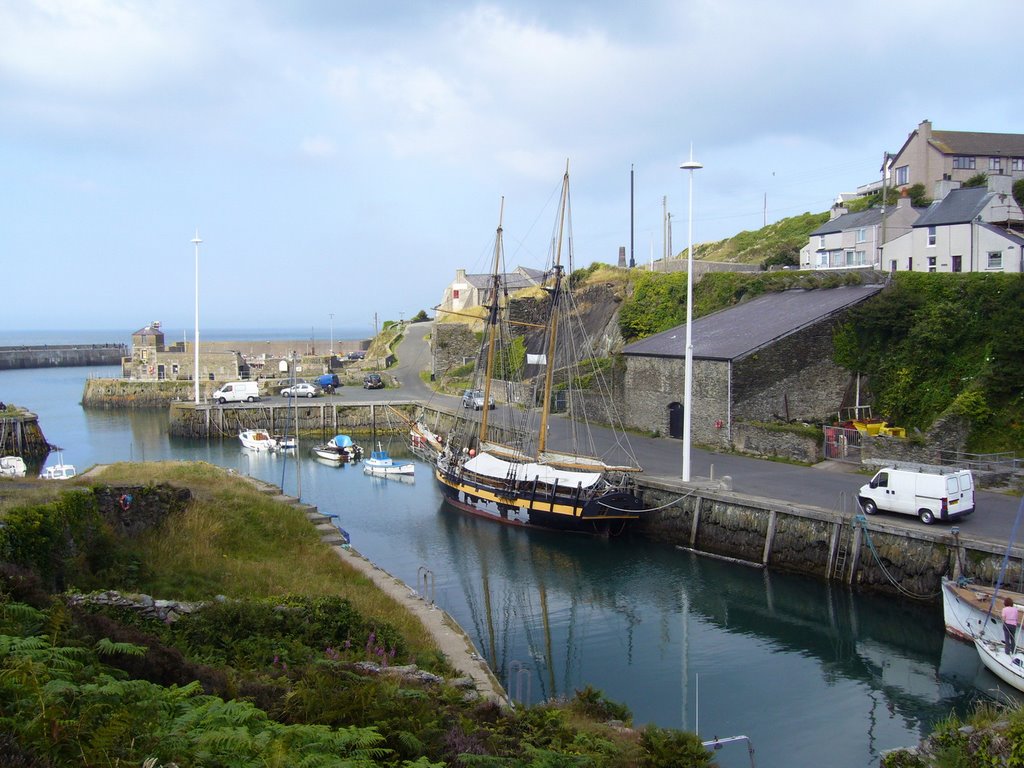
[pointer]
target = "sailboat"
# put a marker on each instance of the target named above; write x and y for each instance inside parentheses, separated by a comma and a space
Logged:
(510, 471)
(1008, 667)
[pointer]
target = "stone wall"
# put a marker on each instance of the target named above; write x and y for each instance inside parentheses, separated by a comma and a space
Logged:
(453, 345)
(761, 441)
(701, 267)
(792, 380)
(61, 355)
(132, 509)
(879, 557)
(128, 393)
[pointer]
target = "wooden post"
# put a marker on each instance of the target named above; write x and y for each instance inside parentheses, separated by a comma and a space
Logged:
(696, 519)
(858, 536)
(769, 536)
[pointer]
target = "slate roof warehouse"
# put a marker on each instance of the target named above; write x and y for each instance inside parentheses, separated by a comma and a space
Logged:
(766, 359)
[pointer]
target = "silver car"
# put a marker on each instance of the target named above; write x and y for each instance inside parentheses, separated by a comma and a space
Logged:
(302, 389)
(474, 398)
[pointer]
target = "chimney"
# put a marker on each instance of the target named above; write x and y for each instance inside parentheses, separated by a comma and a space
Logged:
(622, 255)
(460, 275)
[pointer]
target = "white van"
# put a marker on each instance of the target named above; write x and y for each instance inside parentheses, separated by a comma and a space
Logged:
(236, 392)
(929, 494)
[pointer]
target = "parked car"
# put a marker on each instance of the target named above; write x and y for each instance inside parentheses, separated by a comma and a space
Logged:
(357, 355)
(474, 398)
(303, 389)
(329, 382)
(373, 381)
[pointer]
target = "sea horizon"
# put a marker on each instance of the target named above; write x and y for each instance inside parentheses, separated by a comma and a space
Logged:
(36, 337)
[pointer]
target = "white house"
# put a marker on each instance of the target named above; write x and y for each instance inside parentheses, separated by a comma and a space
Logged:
(969, 230)
(851, 240)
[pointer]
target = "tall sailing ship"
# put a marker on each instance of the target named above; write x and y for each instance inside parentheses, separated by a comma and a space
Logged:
(504, 463)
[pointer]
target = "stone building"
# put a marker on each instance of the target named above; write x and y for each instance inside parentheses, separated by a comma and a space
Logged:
(151, 359)
(768, 359)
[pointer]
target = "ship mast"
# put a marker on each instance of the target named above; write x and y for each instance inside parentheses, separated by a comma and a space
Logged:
(492, 323)
(556, 293)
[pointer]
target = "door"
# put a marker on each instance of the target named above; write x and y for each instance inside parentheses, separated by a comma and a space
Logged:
(675, 420)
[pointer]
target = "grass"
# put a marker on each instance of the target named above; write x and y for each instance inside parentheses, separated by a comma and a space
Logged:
(237, 541)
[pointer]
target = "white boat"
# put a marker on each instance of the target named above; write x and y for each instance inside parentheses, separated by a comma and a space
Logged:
(970, 611)
(339, 449)
(285, 443)
(58, 472)
(12, 466)
(257, 440)
(380, 463)
(1007, 667)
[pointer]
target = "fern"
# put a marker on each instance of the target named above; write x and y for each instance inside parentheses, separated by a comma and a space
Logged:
(107, 647)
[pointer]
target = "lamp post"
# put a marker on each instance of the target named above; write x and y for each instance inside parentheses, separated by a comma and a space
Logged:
(195, 370)
(690, 165)
(331, 314)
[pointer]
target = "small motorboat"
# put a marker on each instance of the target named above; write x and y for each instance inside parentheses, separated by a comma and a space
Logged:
(257, 440)
(339, 449)
(380, 463)
(285, 443)
(12, 466)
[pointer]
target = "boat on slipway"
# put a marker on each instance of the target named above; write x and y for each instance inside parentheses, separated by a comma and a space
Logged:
(501, 464)
(12, 466)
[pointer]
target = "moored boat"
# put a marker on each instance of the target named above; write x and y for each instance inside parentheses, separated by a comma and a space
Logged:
(509, 472)
(970, 610)
(257, 440)
(338, 450)
(1008, 667)
(380, 463)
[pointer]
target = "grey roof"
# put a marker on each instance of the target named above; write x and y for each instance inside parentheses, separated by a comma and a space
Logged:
(512, 281)
(848, 221)
(977, 143)
(735, 332)
(958, 207)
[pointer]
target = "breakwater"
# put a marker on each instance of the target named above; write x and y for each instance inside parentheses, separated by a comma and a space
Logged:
(61, 355)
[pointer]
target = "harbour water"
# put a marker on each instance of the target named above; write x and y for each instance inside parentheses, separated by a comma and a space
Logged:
(811, 673)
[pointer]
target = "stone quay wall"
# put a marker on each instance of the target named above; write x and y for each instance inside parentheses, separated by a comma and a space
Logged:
(829, 544)
(21, 435)
(61, 355)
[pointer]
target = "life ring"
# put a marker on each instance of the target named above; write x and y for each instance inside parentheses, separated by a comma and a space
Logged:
(125, 501)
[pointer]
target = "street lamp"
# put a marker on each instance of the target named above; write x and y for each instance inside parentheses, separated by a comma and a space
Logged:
(331, 314)
(690, 165)
(195, 370)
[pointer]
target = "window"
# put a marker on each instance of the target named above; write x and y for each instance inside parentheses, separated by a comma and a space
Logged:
(859, 258)
(995, 259)
(455, 293)
(862, 235)
(964, 162)
(931, 237)
(995, 164)
(848, 256)
(931, 263)
(821, 242)
(1017, 164)
(902, 175)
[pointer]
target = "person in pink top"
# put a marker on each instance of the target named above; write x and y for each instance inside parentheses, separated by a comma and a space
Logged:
(1011, 620)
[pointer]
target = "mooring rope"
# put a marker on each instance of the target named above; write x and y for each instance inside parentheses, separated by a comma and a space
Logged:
(862, 521)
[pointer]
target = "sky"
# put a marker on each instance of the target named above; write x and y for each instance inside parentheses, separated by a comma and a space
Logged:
(341, 159)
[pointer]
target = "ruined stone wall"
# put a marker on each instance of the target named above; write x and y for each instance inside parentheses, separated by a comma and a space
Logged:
(761, 441)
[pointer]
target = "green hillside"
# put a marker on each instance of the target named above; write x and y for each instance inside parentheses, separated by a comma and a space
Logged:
(778, 243)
